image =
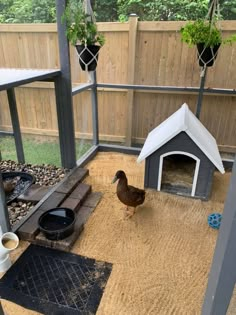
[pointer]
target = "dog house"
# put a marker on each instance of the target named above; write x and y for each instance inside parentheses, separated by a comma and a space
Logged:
(181, 156)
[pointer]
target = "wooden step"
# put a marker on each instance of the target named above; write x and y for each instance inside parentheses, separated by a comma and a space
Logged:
(30, 228)
(71, 193)
(65, 244)
(34, 193)
(72, 180)
(81, 218)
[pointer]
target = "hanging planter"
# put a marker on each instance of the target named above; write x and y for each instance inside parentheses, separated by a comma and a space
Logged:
(207, 55)
(88, 56)
(81, 31)
(207, 37)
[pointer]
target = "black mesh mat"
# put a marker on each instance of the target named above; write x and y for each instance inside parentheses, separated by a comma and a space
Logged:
(54, 282)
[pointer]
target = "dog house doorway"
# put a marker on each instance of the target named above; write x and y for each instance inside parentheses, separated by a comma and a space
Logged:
(178, 173)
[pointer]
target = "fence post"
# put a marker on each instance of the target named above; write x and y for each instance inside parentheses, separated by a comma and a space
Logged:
(133, 24)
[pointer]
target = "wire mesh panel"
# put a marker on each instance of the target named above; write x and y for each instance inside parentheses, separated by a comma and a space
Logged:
(55, 282)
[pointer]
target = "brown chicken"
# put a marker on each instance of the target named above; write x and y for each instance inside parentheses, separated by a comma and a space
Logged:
(127, 194)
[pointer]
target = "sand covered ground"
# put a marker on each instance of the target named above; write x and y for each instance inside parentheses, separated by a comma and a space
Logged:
(161, 256)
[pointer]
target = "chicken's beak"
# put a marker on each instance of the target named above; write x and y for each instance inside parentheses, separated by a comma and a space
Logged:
(114, 180)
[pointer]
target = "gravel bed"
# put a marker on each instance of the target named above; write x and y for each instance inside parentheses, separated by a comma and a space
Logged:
(46, 175)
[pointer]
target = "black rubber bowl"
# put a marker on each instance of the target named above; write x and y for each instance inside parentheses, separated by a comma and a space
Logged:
(57, 224)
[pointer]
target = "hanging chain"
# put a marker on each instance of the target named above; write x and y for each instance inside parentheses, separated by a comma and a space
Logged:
(88, 10)
(213, 11)
(91, 17)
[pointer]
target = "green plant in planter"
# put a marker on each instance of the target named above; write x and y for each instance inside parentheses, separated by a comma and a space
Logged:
(207, 37)
(79, 26)
(82, 33)
(201, 31)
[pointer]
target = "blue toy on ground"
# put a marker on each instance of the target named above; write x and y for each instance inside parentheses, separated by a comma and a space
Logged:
(214, 220)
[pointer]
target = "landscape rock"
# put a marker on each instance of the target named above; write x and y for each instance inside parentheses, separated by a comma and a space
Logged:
(46, 175)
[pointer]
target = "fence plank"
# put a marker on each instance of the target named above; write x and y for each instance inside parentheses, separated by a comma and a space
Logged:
(159, 59)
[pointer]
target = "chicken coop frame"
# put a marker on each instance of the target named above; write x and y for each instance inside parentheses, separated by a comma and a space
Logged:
(222, 276)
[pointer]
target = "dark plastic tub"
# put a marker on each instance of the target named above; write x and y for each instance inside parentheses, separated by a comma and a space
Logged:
(57, 224)
(22, 185)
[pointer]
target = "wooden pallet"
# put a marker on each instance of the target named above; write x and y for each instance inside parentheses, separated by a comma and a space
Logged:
(70, 193)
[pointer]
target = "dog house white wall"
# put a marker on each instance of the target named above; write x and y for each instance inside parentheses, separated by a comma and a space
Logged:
(182, 132)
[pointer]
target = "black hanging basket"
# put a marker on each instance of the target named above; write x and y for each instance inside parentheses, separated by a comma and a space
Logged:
(88, 56)
(207, 55)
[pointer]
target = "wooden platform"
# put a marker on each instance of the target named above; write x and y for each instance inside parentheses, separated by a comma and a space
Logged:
(70, 193)
(34, 193)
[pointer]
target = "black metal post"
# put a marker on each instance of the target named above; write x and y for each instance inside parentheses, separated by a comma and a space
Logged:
(203, 77)
(4, 216)
(95, 109)
(15, 125)
(200, 95)
(222, 278)
(63, 91)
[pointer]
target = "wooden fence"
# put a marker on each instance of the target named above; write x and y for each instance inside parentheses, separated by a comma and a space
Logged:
(145, 53)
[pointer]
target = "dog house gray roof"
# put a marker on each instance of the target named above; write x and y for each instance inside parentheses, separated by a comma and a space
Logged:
(183, 120)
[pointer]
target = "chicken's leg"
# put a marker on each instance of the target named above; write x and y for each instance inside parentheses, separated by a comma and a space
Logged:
(129, 212)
